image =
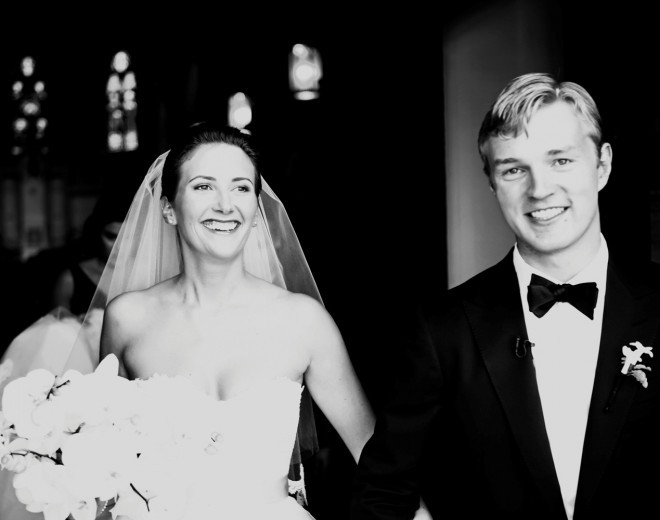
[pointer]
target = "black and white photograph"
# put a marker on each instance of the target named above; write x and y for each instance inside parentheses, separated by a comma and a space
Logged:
(329, 262)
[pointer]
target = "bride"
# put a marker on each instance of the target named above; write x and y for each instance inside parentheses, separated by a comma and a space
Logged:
(210, 284)
(225, 323)
(205, 266)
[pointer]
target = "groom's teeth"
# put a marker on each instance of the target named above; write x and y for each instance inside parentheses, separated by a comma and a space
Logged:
(546, 214)
(215, 225)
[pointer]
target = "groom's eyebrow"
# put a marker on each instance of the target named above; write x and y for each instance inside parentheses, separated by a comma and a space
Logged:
(562, 150)
(506, 160)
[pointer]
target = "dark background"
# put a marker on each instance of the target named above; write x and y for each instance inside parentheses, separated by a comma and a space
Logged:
(360, 170)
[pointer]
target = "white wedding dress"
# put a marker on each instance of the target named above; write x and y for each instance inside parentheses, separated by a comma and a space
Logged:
(254, 431)
(246, 479)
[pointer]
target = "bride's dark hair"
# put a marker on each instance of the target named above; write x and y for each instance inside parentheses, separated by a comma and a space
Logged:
(205, 132)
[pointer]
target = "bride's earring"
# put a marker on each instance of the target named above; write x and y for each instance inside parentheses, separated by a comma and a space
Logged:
(168, 213)
(254, 224)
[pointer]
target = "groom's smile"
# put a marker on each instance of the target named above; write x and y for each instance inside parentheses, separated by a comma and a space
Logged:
(546, 214)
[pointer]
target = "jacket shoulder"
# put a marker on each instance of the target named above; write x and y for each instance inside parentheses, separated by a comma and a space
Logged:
(643, 279)
(498, 278)
(496, 275)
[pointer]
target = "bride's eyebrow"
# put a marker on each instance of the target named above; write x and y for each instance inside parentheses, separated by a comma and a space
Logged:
(202, 177)
(211, 178)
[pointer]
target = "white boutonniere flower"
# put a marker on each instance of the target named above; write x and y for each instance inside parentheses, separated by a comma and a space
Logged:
(631, 361)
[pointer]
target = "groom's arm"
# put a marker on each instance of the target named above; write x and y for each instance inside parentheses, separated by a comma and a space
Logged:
(386, 481)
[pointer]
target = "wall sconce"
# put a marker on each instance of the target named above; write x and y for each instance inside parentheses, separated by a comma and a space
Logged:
(305, 71)
(239, 111)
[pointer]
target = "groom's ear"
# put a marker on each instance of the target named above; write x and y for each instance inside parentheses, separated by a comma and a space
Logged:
(604, 165)
(168, 211)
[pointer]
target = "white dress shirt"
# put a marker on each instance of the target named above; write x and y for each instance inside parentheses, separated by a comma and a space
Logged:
(565, 352)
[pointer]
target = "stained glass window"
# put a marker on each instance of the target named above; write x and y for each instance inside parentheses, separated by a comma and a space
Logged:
(122, 105)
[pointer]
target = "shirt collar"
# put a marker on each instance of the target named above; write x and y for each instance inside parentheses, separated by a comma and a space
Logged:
(595, 271)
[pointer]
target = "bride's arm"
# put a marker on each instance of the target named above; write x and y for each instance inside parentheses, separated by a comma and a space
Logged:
(333, 383)
(113, 334)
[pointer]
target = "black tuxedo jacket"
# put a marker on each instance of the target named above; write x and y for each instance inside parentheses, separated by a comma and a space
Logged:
(467, 430)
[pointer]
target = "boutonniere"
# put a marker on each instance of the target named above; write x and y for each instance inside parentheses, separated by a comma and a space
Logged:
(632, 366)
(631, 361)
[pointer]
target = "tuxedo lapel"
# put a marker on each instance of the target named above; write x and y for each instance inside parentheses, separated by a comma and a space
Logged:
(496, 318)
(627, 317)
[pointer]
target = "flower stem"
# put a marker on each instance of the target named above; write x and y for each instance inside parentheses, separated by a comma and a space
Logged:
(52, 390)
(141, 496)
(40, 455)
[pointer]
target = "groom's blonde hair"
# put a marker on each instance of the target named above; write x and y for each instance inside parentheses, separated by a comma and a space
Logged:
(523, 97)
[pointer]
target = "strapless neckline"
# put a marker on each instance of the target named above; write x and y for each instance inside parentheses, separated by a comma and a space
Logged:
(247, 390)
(257, 386)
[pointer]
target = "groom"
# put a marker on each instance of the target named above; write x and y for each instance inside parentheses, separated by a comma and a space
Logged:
(515, 405)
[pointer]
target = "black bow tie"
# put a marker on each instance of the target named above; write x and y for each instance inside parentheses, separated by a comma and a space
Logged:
(542, 295)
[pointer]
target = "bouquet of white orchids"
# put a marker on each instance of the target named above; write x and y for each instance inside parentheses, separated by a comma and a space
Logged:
(86, 445)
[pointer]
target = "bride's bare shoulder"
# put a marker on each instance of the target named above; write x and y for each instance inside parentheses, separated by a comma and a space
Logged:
(135, 305)
(308, 323)
(301, 309)
(290, 308)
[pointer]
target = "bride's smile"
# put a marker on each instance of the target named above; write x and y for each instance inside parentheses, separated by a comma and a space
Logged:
(222, 226)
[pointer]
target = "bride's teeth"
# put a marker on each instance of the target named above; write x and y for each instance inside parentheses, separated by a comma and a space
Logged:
(215, 225)
(546, 214)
